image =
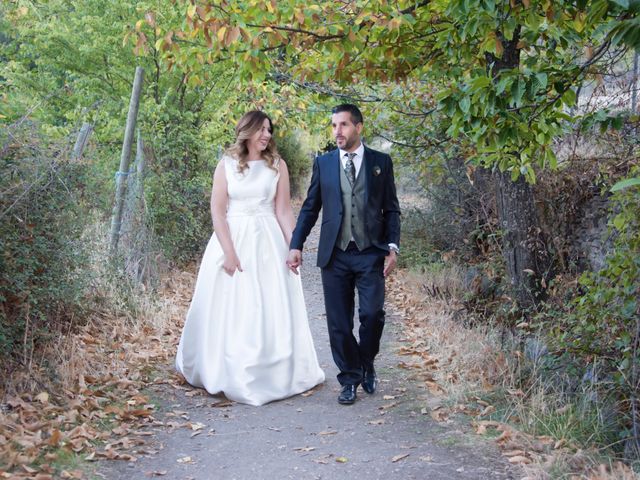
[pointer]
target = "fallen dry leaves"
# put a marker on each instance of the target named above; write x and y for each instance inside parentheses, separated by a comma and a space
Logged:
(397, 458)
(447, 359)
(100, 413)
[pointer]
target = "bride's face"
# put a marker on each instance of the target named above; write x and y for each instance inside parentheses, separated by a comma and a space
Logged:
(259, 141)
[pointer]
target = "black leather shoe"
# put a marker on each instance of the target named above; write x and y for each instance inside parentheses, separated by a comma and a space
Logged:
(370, 380)
(347, 395)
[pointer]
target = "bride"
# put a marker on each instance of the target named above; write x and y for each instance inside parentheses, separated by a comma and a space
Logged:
(246, 333)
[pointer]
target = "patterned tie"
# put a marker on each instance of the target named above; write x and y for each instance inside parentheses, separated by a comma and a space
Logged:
(349, 168)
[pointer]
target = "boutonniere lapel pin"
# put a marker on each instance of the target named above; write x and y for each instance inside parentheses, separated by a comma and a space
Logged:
(376, 170)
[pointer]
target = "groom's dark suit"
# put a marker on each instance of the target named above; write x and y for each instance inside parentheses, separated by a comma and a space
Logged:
(345, 270)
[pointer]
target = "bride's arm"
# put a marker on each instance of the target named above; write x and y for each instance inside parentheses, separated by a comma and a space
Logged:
(284, 213)
(219, 202)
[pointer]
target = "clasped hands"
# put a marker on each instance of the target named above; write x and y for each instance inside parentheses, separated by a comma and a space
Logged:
(294, 261)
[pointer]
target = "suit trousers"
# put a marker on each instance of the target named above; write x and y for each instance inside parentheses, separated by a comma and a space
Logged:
(347, 271)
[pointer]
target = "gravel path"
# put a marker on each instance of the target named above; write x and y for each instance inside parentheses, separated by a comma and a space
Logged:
(384, 435)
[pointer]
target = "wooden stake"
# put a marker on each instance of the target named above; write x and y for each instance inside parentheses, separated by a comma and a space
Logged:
(81, 141)
(121, 182)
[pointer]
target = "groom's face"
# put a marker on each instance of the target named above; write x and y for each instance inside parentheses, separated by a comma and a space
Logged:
(346, 133)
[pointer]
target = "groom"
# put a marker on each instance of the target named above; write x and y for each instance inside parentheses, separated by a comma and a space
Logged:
(359, 239)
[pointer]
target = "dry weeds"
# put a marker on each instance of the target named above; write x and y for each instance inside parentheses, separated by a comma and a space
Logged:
(458, 365)
(97, 407)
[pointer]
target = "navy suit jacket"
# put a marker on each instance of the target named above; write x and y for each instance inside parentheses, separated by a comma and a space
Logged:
(382, 211)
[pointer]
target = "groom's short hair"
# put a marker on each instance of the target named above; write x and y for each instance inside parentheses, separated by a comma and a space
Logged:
(356, 114)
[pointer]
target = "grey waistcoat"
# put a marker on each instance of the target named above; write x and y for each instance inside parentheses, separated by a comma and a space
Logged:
(353, 212)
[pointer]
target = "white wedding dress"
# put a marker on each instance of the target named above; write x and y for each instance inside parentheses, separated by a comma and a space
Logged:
(247, 335)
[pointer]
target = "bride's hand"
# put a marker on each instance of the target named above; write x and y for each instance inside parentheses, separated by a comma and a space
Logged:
(294, 260)
(231, 264)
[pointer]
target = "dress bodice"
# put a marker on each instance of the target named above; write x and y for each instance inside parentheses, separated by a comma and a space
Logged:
(253, 191)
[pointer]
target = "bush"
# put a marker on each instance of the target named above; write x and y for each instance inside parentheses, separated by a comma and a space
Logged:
(42, 268)
(180, 213)
(298, 157)
(605, 322)
(417, 251)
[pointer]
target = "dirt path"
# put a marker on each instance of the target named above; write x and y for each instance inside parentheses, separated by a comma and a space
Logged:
(385, 435)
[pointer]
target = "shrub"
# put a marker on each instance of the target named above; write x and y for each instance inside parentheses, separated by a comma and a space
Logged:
(42, 266)
(298, 156)
(180, 213)
(605, 323)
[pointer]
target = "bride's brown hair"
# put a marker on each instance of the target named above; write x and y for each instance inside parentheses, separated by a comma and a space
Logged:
(249, 124)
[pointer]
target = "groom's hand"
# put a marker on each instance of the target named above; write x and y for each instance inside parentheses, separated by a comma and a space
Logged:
(390, 263)
(294, 260)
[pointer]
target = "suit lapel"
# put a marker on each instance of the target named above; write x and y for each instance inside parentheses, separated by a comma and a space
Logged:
(367, 162)
(334, 172)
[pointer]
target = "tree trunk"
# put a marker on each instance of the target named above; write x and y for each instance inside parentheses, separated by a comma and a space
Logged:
(522, 249)
(521, 246)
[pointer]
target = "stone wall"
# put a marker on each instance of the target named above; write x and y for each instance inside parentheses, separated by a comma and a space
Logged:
(591, 239)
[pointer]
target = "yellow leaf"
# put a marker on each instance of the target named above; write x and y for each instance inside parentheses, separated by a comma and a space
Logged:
(341, 460)
(43, 397)
(221, 33)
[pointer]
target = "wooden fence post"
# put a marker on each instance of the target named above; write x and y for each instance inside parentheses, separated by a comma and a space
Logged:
(140, 165)
(634, 84)
(81, 141)
(121, 182)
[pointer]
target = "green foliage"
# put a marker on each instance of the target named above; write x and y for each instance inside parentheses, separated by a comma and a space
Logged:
(605, 324)
(504, 73)
(180, 213)
(296, 152)
(418, 250)
(43, 273)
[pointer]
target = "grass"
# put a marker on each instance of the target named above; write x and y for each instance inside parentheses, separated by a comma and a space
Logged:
(477, 362)
(68, 460)
(108, 355)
